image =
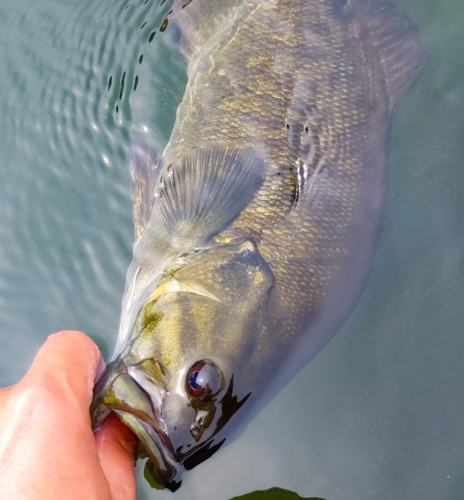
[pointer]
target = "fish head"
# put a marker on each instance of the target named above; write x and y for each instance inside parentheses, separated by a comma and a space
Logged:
(186, 373)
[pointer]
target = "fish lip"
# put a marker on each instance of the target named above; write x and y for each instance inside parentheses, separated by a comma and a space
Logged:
(120, 393)
(166, 471)
(98, 410)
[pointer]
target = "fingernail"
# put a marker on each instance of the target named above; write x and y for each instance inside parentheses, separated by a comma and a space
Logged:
(100, 370)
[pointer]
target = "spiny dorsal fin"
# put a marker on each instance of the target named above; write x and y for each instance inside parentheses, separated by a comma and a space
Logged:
(144, 169)
(396, 40)
(206, 189)
(204, 21)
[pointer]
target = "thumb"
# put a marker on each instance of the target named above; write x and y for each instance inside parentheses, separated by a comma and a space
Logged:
(117, 446)
(67, 365)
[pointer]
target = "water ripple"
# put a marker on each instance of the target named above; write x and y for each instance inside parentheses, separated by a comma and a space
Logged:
(66, 231)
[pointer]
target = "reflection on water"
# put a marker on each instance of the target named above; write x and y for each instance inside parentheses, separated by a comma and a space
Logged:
(379, 412)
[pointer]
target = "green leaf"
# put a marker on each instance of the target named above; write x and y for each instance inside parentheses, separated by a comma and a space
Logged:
(274, 494)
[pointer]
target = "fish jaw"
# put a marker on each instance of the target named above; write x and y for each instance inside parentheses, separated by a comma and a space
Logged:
(120, 393)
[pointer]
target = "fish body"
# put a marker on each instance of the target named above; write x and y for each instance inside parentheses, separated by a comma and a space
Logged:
(255, 228)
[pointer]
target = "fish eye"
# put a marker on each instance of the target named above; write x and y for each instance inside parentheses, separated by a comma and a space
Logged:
(204, 380)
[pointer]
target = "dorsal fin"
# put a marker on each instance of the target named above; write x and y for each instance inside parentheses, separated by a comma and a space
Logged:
(144, 169)
(396, 39)
(202, 22)
(206, 189)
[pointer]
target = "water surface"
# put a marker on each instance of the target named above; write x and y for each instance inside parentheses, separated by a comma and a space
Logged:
(380, 412)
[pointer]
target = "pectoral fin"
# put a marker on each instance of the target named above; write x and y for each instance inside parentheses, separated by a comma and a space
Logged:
(144, 168)
(206, 189)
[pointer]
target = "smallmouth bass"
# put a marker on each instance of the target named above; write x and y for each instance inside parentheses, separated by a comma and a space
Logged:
(255, 228)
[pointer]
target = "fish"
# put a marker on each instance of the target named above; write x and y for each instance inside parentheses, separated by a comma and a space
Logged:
(255, 228)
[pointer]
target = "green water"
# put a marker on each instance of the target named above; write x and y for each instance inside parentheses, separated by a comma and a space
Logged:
(380, 412)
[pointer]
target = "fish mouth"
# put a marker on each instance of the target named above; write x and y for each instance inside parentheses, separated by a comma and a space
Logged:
(120, 393)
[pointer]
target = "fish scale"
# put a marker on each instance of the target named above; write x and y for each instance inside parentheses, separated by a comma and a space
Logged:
(243, 117)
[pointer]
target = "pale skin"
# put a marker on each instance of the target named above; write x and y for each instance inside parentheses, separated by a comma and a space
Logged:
(47, 448)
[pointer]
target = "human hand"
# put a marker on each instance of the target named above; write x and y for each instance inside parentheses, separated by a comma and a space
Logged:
(47, 448)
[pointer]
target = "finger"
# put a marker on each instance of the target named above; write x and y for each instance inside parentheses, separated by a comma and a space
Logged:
(66, 365)
(117, 447)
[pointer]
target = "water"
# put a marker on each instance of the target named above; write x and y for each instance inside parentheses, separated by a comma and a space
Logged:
(379, 413)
